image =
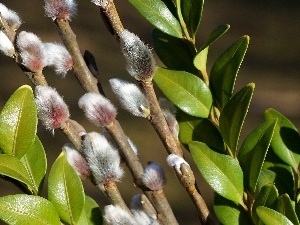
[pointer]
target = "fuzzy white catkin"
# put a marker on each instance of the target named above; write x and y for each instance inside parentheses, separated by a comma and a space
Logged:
(6, 46)
(154, 176)
(130, 97)
(176, 161)
(103, 159)
(115, 215)
(60, 9)
(12, 18)
(101, 3)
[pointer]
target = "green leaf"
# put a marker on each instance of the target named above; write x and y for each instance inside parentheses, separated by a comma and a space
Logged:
(35, 163)
(200, 61)
(65, 190)
(188, 92)
(285, 207)
(229, 213)
(192, 12)
(233, 116)
(266, 197)
(91, 214)
(18, 121)
(157, 13)
(271, 217)
(215, 35)
(286, 140)
(27, 209)
(198, 129)
(12, 167)
(253, 152)
(224, 71)
(218, 170)
(173, 52)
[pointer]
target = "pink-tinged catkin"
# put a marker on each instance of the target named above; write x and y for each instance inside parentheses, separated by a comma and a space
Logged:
(6, 46)
(140, 61)
(115, 215)
(77, 161)
(31, 51)
(12, 18)
(154, 176)
(58, 57)
(98, 109)
(60, 9)
(52, 110)
(103, 159)
(176, 161)
(131, 97)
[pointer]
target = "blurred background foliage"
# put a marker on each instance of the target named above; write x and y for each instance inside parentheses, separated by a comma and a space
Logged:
(272, 62)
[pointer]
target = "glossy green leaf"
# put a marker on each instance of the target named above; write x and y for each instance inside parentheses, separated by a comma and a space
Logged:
(224, 71)
(297, 205)
(253, 152)
(173, 52)
(192, 12)
(229, 213)
(215, 35)
(18, 121)
(198, 129)
(266, 197)
(218, 169)
(12, 167)
(285, 207)
(286, 140)
(35, 163)
(27, 209)
(157, 13)
(188, 92)
(65, 190)
(271, 217)
(200, 61)
(233, 116)
(91, 215)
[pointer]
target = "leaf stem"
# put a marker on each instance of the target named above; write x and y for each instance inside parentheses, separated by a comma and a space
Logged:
(182, 23)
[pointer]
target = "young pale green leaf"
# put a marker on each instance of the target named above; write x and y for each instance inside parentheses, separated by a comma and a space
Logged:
(224, 71)
(233, 116)
(218, 169)
(215, 35)
(253, 152)
(157, 13)
(198, 129)
(192, 12)
(285, 207)
(188, 92)
(91, 214)
(266, 197)
(35, 163)
(18, 122)
(229, 213)
(286, 139)
(12, 167)
(65, 190)
(200, 61)
(27, 209)
(173, 52)
(271, 217)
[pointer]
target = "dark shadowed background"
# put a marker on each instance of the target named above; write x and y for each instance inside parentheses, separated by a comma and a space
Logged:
(272, 63)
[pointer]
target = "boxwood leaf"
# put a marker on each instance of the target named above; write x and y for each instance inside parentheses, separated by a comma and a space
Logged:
(230, 213)
(224, 71)
(91, 214)
(35, 163)
(271, 217)
(253, 152)
(157, 13)
(27, 209)
(18, 122)
(192, 12)
(173, 52)
(286, 140)
(266, 197)
(65, 190)
(233, 116)
(191, 129)
(218, 169)
(285, 207)
(188, 92)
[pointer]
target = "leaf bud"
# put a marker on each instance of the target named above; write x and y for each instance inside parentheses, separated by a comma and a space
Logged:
(98, 109)
(52, 110)
(176, 161)
(60, 9)
(115, 215)
(12, 18)
(154, 176)
(131, 97)
(6, 46)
